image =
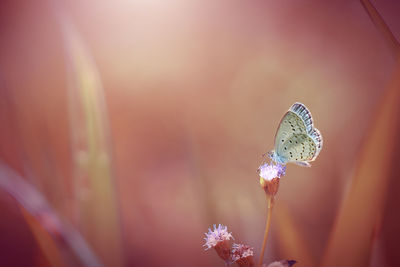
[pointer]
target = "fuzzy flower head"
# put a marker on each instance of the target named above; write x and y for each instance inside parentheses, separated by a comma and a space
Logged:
(269, 177)
(219, 234)
(271, 171)
(242, 255)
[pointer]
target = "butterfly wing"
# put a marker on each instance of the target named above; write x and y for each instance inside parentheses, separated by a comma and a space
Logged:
(297, 140)
(287, 128)
(305, 115)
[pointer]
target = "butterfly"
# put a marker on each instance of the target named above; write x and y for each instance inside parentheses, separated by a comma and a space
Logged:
(296, 140)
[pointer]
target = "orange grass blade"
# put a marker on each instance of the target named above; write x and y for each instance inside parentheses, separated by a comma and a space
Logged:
(353, 234)
(44, 240)
(292, 244)
(351, 240)
(95, 199)
(381, 25)
(45, 223)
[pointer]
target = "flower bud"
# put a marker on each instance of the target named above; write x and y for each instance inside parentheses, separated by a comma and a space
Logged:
(243, 255)
(282, 263)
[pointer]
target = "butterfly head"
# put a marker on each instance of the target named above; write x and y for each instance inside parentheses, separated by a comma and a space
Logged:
(276, 158)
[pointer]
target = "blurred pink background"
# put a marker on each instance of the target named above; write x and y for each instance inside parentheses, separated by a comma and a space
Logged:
(193, 93)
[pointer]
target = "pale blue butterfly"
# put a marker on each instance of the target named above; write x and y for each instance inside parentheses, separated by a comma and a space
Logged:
(296, 140)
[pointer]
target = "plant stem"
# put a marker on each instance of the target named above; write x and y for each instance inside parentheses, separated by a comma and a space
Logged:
(269, 211)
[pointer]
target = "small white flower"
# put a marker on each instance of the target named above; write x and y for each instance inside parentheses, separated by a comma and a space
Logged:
(219, 234)
(269, 172)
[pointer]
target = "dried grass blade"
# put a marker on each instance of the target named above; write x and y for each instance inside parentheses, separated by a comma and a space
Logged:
(361, 210)
(41, 216)
(95, 197)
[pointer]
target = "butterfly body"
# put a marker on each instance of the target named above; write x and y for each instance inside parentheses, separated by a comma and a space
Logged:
(296, 140)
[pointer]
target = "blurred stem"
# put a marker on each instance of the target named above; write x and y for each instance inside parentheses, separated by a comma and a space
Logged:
(267, 224)
(382, 26)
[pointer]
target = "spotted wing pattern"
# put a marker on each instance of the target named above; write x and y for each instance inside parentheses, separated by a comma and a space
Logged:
(296, 139)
